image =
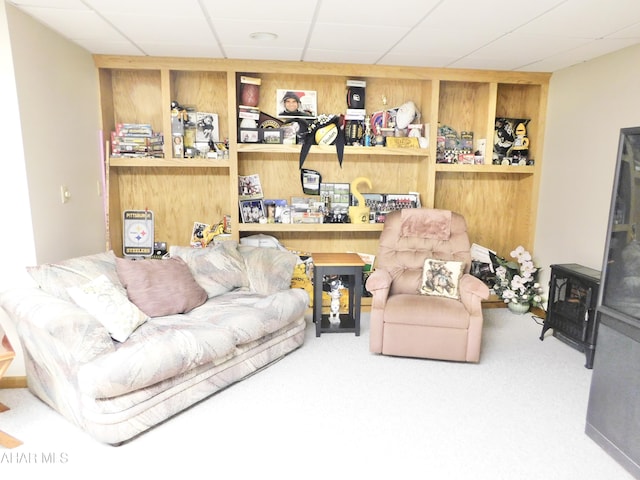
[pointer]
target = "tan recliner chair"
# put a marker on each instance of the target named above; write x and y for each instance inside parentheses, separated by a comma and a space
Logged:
(405, 322)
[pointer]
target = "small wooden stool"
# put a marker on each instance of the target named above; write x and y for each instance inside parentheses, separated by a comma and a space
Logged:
(6, 356)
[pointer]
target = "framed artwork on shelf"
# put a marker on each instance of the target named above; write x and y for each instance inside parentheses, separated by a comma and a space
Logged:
(207, 127)
(249, 187)
(272, 135)
(297, 103)
(252, 211)
(249, 135)
(274, 208)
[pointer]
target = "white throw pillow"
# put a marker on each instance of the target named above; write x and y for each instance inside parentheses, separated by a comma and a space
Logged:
(110, 306)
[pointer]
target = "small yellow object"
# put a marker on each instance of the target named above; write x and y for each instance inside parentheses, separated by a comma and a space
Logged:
(359, 214)
(210, 232)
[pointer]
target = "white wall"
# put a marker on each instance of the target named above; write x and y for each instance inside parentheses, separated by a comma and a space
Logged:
(59, 107)
(588, 105)
(50, 122)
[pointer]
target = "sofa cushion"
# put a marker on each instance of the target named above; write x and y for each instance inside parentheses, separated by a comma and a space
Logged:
(110, 306)
(160, 349)
(218, 268)
(55, 278)
(160, 287)
(249, 316)
(441, 278)
(269, 270)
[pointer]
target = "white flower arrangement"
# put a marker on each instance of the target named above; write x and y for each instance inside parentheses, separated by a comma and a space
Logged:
(516, 281)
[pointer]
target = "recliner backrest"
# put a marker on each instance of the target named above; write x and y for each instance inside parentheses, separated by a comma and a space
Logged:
(410, 236)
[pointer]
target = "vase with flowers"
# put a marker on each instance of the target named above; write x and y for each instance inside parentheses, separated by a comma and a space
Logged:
(516, 281)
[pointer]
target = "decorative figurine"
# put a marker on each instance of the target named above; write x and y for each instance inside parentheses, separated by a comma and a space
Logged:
(367, 132)
(335, 294)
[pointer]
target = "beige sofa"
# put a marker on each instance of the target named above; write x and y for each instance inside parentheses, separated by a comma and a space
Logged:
(187, 327)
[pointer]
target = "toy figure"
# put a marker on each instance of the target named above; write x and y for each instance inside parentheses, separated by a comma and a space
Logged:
(335, 294)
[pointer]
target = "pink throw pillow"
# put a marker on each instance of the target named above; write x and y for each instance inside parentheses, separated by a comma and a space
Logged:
(160, 287)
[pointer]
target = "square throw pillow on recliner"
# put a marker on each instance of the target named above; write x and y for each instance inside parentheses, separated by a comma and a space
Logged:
(441, 278)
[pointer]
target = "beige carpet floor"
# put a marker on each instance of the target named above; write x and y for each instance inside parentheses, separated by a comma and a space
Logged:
(332, 410)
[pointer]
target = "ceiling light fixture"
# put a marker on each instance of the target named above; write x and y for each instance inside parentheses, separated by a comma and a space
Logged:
(263, 36)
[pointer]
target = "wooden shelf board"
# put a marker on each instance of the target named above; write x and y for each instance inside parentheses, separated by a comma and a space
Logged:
(311, 227)
(448, 167)
(169, 162)
(331, 150)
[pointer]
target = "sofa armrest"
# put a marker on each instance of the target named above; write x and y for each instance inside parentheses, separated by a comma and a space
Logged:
(72, 334)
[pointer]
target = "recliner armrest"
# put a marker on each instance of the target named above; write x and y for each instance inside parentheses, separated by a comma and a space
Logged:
(472, 289)
(378, 284)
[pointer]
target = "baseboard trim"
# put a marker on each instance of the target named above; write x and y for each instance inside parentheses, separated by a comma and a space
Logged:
(13, 382)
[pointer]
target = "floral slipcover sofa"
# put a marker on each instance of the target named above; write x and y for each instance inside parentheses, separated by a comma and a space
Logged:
(117, 345)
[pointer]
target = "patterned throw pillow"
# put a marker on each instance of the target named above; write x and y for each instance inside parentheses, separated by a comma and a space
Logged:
(109, 306)
(54, 278)
(160, 287)
(269, 270)
(218, 269)
(441, 278)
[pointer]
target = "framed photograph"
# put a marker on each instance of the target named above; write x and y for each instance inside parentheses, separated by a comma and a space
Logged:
(249, 135)
(275, 208)
(207, 127)
(249, 187)
(337, 194)
(252, 211)
(272, 135)
(297, 103)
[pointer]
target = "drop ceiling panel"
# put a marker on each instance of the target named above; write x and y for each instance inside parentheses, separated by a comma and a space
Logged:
(275, 53)
(341, 56)
(586, 18)
(164, 29)
(76, 24)
(357, 38)
(496, 16)
(143, 8)
(488, 34)
(366, 12)
(265, 10)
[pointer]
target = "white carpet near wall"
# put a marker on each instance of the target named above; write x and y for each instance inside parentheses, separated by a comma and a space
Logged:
(332, 410)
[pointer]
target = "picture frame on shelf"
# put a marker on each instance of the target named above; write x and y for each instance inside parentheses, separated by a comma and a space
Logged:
(207, 129)
(291, 103)
(251, 211)
(250, 187)
(249, 135)
(338, 195)
(273, 136)
(274, 208)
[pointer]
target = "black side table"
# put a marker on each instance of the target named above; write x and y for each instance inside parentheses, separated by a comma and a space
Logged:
(571, 310)
(343, 264)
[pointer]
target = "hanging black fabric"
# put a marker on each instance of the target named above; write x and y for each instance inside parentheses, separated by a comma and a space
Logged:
(310, 138)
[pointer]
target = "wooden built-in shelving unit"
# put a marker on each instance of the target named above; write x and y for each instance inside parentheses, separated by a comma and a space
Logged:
(498, 202)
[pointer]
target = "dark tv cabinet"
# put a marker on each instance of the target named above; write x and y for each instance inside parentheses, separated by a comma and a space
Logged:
(571, 309)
